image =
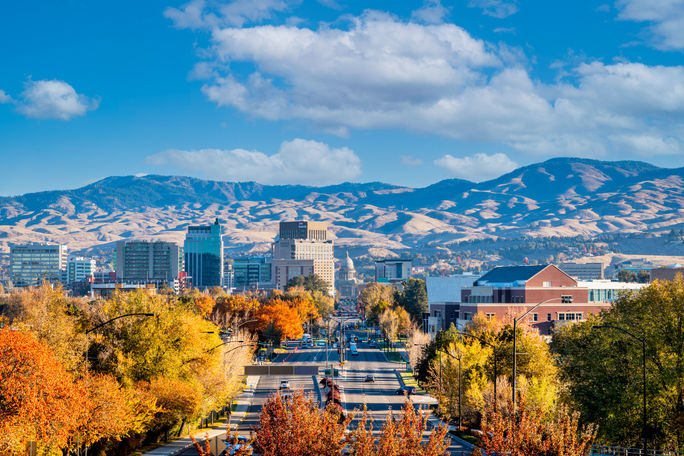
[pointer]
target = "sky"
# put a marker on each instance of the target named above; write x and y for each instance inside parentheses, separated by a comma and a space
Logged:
(319, 92)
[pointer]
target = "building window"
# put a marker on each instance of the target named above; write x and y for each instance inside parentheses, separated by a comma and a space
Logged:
(490, 316)
(467, 316)
(535, 317)
(561, 316)
(566, 299)
(438, 313)
(548, 317)
(546, 284)
(578, 316)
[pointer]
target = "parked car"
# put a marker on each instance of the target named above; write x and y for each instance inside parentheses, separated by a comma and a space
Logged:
(369, 378)
(406, 390)
(284, 384)
(235, 445)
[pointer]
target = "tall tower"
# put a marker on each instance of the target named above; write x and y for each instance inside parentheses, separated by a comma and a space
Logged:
(302, 248)
(203, 249)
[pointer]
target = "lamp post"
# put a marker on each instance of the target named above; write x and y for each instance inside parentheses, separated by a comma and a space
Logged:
(515, 345)
(133, 314)
(643, 376)
(459, 381)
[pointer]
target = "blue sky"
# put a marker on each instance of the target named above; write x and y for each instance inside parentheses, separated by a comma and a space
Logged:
(320, 92)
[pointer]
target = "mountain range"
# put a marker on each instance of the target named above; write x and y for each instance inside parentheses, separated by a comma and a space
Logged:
(558, 197)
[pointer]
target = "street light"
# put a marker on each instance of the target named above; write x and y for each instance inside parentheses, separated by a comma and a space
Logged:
(643, 374)
(515, 344)
(141, 314)
(134, 314)
(459, 380)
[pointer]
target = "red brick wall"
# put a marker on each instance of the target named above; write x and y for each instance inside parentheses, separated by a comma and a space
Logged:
(535, 295)
(554, 275)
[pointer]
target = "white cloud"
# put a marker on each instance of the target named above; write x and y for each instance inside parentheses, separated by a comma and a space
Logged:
(53, 99)
(378, 72)
(496, 8)
(213, 13)
(479, 167)
(298, 161)
(4, 97)
(665, 16)
(432, 12)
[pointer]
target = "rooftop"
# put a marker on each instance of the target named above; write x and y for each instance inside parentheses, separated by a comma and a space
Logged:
(510, 275)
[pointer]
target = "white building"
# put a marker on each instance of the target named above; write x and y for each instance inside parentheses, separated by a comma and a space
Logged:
(78, 269)
(607, 291)
(392, 271)
(444, 300)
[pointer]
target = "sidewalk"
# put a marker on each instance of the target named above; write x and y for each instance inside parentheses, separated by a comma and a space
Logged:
(243, 403)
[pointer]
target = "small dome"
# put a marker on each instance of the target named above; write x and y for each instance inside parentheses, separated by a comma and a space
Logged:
(349, 263)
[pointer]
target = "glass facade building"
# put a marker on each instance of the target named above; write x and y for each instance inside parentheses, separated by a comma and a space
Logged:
(251, 272)
(204, 255)
(30, 264)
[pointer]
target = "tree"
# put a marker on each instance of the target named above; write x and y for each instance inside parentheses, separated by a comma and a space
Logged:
(310, 283)
(39, 400)
(375, 298)
(204, 304)
(530, 434)
(389, 324)
(626, 276)
(297, 427)
(413, 298)
(278, 314)
(402, 437)
(602, 367)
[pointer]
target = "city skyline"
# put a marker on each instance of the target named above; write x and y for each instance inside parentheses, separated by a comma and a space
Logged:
(408, 95)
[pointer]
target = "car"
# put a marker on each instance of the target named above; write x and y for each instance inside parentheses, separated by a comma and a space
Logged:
(320, 343)
(284, 384)
(372, 344)
(369, 379)
(335, 345)
(237, 445)
(406, 390)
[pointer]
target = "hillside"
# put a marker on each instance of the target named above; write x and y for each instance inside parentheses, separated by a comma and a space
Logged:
(559, 197)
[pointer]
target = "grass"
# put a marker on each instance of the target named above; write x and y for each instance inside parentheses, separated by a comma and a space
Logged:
(394, 357)
(408, 379)
(465, 436)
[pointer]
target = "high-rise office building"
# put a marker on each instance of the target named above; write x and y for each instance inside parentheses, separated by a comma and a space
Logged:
(204, 255)
(79, 268)
(148, 262)
(30, 264)
(252, 273)
(302, 248)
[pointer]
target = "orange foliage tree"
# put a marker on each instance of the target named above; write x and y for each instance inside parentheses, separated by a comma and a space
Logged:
(532, 435)
(204, 304)
(403, 437)
(297, 427)
(39, 400)
(277, 313)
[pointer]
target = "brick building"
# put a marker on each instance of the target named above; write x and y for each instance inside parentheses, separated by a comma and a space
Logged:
(511, 291)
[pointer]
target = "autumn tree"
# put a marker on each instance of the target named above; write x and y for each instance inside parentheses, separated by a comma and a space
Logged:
(280, 316)
(602, 367)
(398, 437)
(375, 298)
(531, 434)
(298, 427)
(39, 400)
(45, 312)
(204, 304)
